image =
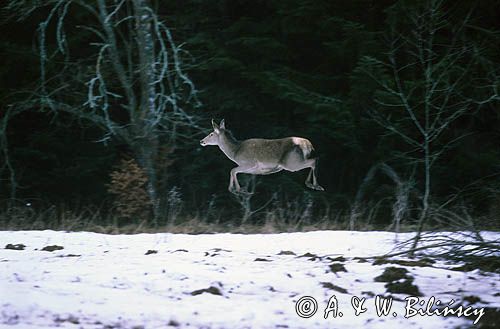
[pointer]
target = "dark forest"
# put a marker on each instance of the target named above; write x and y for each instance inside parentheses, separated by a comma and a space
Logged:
(102, 113)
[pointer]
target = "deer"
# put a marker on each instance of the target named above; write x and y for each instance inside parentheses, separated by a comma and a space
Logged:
(259, 156)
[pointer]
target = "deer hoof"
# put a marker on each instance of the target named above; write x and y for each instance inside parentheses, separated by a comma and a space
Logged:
(240, 192)
(315, 187)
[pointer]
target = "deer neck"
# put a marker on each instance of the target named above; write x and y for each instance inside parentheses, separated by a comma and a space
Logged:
(229, 145)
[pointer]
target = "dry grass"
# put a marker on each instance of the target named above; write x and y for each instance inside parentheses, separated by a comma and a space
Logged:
(62, 218)
(300, 215)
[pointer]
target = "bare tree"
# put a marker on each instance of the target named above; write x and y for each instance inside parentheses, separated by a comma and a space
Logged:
(401, 195)
(5, 158)
(130, 80)
(432, 75)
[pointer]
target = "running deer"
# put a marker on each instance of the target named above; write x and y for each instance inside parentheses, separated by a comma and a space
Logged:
(263, 156)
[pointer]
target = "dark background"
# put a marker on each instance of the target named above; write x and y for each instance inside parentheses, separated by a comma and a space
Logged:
(249, 59)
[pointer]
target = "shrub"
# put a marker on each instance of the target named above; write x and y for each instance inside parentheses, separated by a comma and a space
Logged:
(129, 189)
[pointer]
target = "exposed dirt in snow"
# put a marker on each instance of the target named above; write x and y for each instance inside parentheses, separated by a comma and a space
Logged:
(87, 280)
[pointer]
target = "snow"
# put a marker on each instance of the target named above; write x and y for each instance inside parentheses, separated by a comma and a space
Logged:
(108, 281)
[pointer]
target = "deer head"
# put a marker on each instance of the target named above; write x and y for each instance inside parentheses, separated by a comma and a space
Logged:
(214, 137)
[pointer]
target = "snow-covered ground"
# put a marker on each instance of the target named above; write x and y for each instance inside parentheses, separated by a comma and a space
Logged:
(218, 281)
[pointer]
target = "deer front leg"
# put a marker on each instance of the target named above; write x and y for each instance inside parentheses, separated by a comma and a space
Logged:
(233, 180)
(234, 185)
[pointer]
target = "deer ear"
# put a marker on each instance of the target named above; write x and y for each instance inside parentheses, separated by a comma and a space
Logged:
(214, 125)
(222, 124)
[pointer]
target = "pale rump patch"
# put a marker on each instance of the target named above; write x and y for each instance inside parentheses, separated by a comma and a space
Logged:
(304, 145)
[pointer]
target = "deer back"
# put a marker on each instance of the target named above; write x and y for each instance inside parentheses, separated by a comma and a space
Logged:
(269, 151)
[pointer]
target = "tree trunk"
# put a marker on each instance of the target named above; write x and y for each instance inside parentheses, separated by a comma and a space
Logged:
(425, 201)
(146, 160)
(146, 129)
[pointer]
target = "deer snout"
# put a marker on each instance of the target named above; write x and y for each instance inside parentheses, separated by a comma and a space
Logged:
(203, 143)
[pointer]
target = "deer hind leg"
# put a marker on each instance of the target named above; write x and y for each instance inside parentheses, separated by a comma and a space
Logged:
(312, 174)
(295, 161)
